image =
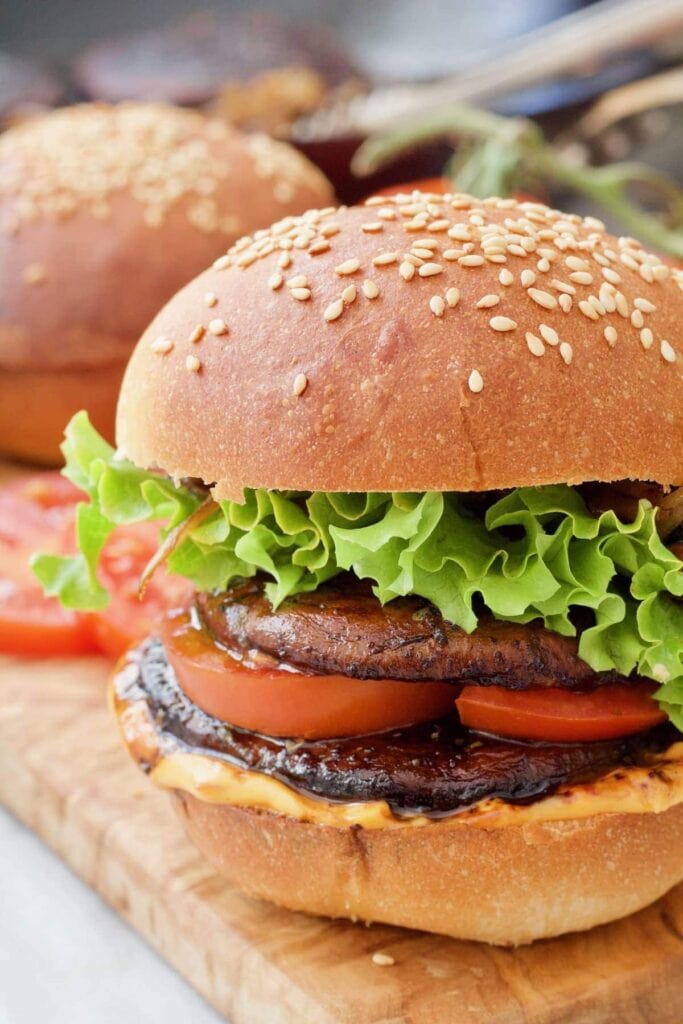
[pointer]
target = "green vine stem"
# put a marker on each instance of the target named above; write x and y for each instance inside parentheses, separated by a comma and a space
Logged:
(501, 155)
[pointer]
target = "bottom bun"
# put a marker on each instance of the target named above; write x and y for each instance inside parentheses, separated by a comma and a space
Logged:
(36, 405)
(505, 886)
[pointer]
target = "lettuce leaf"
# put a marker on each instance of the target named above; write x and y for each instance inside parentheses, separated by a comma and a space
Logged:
(537, 553)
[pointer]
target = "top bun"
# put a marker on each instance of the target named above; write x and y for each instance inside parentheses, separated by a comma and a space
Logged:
(105, 211)
(422, 342)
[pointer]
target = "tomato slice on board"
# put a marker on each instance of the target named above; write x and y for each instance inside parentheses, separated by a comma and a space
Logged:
(560, 716)
(281, 702)
(34, 625)
(36, 513)
(129, 618)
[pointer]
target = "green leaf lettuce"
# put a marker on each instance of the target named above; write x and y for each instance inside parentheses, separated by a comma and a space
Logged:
(537, 553)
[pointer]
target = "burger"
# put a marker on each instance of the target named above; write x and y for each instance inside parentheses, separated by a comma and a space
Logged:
(422, 463)
(105, 211)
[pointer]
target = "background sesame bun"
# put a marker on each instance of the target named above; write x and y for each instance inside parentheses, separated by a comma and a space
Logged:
(417, 343)
(105, 212)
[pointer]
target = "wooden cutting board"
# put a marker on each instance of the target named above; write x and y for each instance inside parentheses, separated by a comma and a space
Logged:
(64, 774)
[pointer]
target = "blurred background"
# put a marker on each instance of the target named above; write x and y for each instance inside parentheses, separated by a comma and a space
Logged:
(301, 69)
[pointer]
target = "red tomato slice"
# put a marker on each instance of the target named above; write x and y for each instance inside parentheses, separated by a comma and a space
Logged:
(281, 702)
(36, 513)
(438, 185)
(128, 618)
(560, 716)
(34, 625)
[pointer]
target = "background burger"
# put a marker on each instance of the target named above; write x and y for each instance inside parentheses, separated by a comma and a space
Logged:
(420, 462)
(105, 211)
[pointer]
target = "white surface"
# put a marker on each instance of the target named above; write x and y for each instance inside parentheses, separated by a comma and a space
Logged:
(66, 958)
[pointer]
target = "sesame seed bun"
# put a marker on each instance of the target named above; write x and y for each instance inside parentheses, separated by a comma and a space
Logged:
(417, 343)
(105, 212)
(505, 886)
(501, 873)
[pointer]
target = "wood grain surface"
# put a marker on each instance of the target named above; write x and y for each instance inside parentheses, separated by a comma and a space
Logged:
(64, 774)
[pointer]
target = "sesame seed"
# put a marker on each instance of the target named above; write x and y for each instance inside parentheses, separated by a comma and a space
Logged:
(349, 294)
(542, 298)
(372, 227)
(593, 222)
(34, 273)
(423, 254)
(527, 277)
(622, 304)
(660, 272)
(607, 298)
(327, 230)
(588, 310)
(646, 338)
(534, 344)
(581, 277)
(471, 261)
(197, 334)
(218, 326)
(497, 258)
(406, 270)
(611, 275)
(645, 271)
(452, 297)
(284, 260)
(506, 277)
(460, 233)
(475, 382)
(299, 384)
(222, 263)
(370, 289)
(334, 310)
(543, 265)
(576, 263)
(565, 302)
(300, 294)
(566, 352)
(516, 250)
(637, 318)
(161, 345)
(318, 247)
(383, 960)
(426, 243)
(387, 213)
(452, 254)
(437, 305)
(644, 305)
(384, 259)
(611, 335)
(667, 351)
(502, 323)
(211, 299)
(486, 301)
(300, 281)
(562, 286)
(628, 261)
(347, 267)
(549, 334)
(275, 281)
(594, 301)
(438, 225)
(430, 269)
(193, 364)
